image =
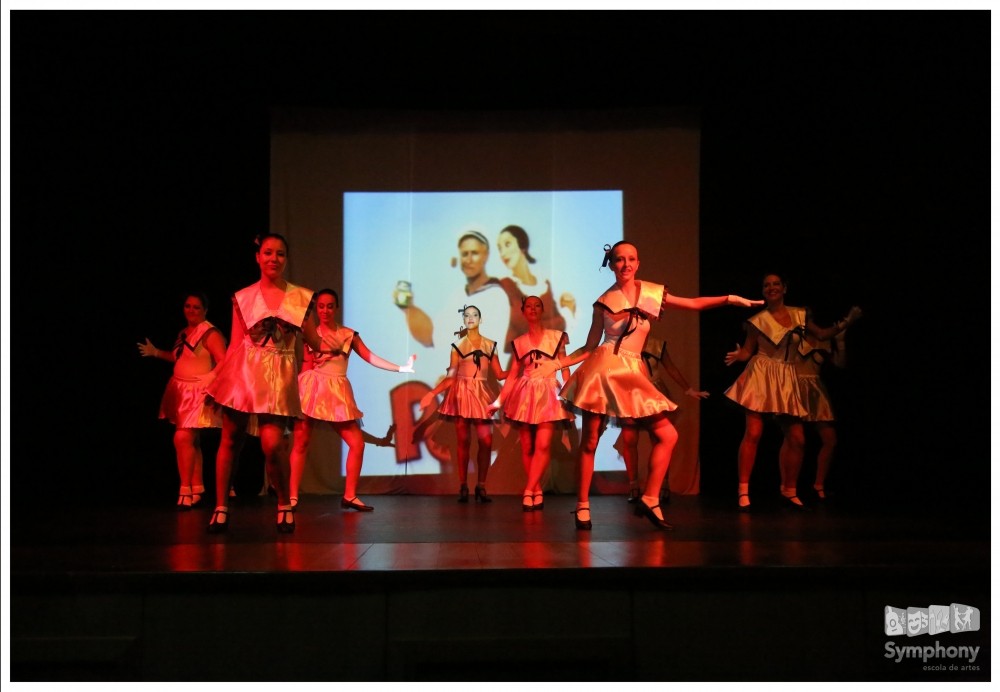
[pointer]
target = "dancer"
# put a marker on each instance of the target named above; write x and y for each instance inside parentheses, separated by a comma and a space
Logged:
(531, 403)
(258, 380)
(612, 383)
(326, 394)
(658, 363)
(769, 384)
(817, 400)
(469, 392)
(198, 350)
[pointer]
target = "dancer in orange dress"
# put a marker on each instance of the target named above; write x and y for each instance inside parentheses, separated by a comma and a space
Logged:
(769, 385)
(326, 394)
(817, 400)
(468, 393)
(198, 350)
(257, 383)
(658, 363)
(532, 403)
(612, 382)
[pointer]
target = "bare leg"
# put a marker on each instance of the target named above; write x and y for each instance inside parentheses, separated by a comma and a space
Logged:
(790, 457)
(464, 440)
(273, 445)
(629, 448)
(664, 438)
(234, 425)
(748, 454)
(484, 435)
(197, 477)
(526, 435)
(592, 423)
(297, 460)
(748, 446)
(185, 446)
(351, 433)
(231, 443)
(540, 462)
(828, 445)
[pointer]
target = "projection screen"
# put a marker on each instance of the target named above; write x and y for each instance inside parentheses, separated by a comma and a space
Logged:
(373, 206)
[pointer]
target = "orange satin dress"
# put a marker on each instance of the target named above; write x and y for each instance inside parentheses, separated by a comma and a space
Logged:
(652, 353)
(472, 391)
(613, 380)
(770, 381)
(811, 388)
(260, 373)
(184, 403)
(536, 399)
(325, 393)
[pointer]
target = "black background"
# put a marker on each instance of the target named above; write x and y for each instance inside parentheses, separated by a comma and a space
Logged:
(849, 151)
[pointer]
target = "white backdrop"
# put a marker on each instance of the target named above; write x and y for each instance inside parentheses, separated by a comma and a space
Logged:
(367, 202)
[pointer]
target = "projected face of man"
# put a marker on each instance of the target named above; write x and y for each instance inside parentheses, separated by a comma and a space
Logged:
(473, 255)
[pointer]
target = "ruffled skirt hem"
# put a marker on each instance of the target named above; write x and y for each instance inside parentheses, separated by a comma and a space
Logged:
(816, 399)
(184, 404)
(767, 385)
(535, 400)
(258, 380)
(327, 397)
(468, 398)
(614, 385)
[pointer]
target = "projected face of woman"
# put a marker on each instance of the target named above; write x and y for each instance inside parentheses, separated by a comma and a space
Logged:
(271, 257)
(510, 251)
(194, 311)
(326, 310)
(473, 255)
(471, 318)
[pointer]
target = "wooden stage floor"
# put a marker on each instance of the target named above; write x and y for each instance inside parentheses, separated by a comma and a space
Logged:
(408, 532)
(444, 591)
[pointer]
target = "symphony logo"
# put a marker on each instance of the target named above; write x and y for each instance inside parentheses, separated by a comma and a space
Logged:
(935, 619)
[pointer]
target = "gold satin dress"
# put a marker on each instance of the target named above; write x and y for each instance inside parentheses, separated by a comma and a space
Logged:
(652, 353)
(811, 388)
(325, 393)
(184, 403)
(471, 391)
(535, 400)
(260, 373)
(770, 381)
(613, 380)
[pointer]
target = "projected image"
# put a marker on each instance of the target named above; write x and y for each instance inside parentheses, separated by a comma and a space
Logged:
(413, 261)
